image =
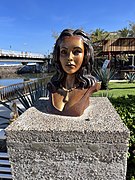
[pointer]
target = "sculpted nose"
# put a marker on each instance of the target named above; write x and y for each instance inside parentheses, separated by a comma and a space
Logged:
(70, 56)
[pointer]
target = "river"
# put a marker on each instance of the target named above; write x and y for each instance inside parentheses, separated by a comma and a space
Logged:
(20, 78)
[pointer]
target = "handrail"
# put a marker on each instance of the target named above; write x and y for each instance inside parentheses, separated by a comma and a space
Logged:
(12, 53)
(7, 92)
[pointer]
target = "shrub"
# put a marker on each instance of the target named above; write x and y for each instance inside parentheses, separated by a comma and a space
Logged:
(104, 75)
(130, 77)
(126, 109)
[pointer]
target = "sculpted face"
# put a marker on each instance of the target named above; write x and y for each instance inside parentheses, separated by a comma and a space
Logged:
(71, 54)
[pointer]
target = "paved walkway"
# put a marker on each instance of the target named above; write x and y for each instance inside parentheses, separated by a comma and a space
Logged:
(115, 80)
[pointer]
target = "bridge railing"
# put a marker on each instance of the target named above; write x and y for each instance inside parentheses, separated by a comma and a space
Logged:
(11, 53)
(9, 92)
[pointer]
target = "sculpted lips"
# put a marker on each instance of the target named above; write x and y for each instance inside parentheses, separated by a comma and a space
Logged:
(70, 65)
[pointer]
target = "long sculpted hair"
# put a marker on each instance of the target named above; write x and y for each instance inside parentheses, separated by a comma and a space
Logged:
(83, 75)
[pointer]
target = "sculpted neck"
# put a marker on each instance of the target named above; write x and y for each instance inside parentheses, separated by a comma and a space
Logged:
(69, 81)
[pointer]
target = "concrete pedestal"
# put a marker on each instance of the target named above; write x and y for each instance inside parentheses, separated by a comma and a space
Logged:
(51, 147)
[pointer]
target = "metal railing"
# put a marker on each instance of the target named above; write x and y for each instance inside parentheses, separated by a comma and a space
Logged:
(11, 53)
(9, 92)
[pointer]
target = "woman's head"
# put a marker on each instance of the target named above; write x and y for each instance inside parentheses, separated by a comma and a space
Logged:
(71, 54)
(86, 57)
(88, 50)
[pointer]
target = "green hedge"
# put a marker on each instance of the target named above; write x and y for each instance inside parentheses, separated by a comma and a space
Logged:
(125, 107)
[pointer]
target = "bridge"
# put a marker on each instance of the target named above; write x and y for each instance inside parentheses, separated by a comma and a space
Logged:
(18, 56)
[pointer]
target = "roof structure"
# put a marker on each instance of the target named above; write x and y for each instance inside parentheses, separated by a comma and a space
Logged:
(119, 46)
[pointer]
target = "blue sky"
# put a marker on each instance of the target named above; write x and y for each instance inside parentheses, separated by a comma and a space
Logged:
(28, 25)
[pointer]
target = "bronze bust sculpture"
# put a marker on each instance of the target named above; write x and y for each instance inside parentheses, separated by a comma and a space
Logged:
(72, 85)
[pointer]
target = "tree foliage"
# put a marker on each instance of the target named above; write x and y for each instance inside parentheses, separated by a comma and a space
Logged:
(124, 32)
(98, 35)
(132, 29)
(126, 109)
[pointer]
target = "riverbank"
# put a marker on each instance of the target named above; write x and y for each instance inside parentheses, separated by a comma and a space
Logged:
(9, 71)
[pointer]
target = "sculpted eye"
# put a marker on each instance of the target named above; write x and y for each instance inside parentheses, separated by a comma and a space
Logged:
(77, 51)
(63, 52)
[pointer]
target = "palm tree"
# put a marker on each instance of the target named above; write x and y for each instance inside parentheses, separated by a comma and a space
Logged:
(124, 32)
(132, 29)
(98, 35)
(97, 38)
